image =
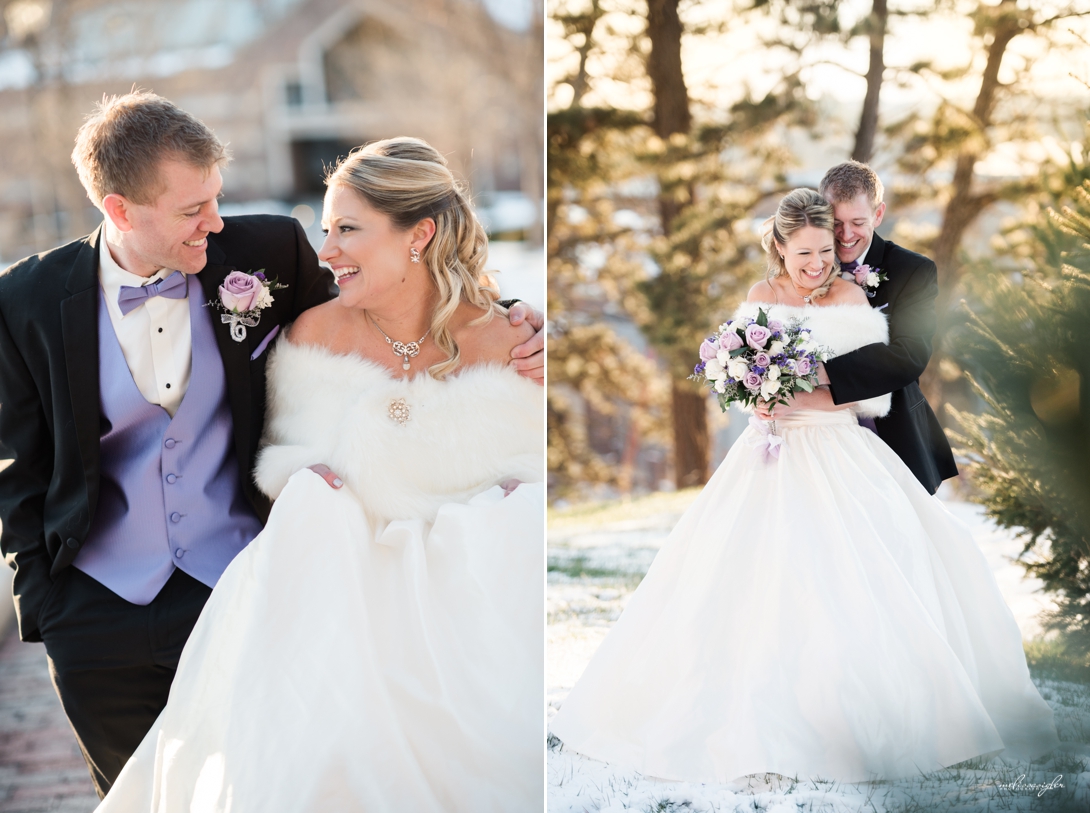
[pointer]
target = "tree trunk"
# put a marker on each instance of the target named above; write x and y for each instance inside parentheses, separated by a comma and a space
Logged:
(868, 119)
(965, 205)
(664, 69)
(692, 446)
(672, 115)
(579, 81)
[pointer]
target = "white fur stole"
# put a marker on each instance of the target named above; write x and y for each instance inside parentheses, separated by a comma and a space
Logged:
(463, 435)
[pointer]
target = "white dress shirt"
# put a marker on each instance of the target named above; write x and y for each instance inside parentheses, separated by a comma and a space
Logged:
(155, 337)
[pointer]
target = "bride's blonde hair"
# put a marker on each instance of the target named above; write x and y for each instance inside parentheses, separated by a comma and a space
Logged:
(798, 209)
(408, 180)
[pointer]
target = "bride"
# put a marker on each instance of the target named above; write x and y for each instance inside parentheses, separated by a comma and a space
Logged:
(817, 616)
(379, 646)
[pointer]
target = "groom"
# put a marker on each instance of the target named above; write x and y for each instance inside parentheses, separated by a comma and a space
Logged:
(907, 297)
(132, 414)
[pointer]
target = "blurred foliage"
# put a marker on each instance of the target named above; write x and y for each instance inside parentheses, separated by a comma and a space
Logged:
(612, 378)
(1054, 659)
(594, 266)
(1025, 347)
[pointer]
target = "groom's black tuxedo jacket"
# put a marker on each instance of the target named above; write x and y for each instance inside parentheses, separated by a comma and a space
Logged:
(49, 386)
(908, 299)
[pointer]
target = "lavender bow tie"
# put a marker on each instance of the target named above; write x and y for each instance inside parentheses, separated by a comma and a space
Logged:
(850, 266)
(131, 298)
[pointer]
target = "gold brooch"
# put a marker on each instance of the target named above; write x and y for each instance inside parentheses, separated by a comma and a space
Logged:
(399, 411)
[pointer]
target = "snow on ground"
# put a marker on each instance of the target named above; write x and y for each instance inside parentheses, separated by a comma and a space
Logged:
(597, 556)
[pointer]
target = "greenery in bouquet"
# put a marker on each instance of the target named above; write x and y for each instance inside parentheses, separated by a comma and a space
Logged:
(753, 359)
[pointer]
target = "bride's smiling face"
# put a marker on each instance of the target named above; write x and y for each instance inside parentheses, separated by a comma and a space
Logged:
(808, 255)
(369, 255)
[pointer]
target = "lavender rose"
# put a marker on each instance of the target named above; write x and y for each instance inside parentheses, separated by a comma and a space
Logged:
(708, 348)
(730, 341)
(240, 292)
(751, 381)
(802, 366)
(757, 336)
(762, 359)
(775, 325)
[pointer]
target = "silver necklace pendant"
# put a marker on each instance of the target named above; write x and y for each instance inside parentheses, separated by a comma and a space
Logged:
(406, 350)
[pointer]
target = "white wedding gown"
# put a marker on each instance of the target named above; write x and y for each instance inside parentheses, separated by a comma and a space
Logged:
(380, 647)
(819, 616)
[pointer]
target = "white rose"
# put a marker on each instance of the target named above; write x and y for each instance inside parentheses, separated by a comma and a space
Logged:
(737, 368)
(773, 372)
(775, 349)
(713, 370)
(723, 356)
(872, 280)
(721, 385)
(264, 298)
(769, 388)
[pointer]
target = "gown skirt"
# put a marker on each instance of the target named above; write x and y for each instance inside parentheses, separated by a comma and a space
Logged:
(820, 615)
(343, 664)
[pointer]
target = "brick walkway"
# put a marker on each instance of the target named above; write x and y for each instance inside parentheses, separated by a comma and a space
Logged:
(41, 769)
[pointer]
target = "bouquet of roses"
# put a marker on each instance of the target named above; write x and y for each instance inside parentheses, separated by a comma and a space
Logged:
(755, 358)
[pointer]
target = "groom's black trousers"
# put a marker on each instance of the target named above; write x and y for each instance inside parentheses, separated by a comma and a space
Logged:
(112, 662)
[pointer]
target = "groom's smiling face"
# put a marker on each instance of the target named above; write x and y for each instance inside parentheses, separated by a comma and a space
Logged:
(854, 224)
(172, 232)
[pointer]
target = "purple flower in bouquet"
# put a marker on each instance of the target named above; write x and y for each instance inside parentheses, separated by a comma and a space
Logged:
(757, 336)
(709, 348)
(730, 341)
(755, 361)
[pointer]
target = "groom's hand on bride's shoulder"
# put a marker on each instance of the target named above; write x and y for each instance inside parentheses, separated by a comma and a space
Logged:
(529, 357)
(327, 474)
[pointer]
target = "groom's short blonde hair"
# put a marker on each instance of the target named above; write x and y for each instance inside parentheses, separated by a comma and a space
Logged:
(121, 144)
(844, 181)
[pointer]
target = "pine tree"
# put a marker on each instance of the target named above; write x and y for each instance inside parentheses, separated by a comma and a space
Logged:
(1028, 345)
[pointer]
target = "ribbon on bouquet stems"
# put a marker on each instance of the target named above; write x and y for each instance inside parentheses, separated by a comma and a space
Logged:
(239, 323)
(768, 444)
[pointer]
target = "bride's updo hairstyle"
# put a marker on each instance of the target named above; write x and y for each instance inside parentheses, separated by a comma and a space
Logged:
(408, 180)
(798, 209)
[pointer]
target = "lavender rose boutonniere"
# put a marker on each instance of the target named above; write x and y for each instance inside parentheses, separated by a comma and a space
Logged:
(867, 278)
(242, 298)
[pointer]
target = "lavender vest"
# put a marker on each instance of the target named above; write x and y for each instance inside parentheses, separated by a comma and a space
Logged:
(169, 492)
